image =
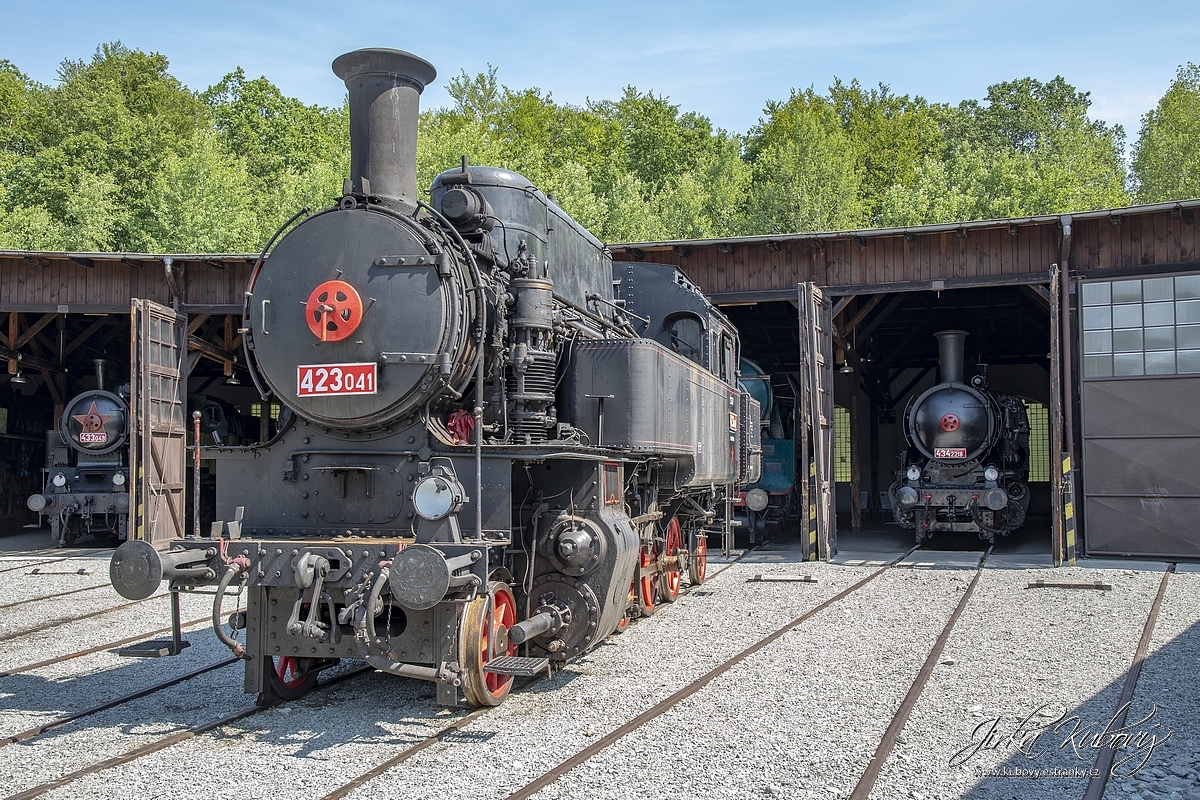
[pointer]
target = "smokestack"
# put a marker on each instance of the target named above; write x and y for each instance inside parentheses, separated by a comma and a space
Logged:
(100, 373)
(385, 88)
(950, 355)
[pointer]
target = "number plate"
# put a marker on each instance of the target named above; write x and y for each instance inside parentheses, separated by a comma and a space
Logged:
(949, 452)
(318, 380)
(99, 437)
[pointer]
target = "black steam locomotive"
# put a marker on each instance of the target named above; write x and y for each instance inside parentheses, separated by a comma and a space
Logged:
(967, 463)
(86, 477)
(503, 446)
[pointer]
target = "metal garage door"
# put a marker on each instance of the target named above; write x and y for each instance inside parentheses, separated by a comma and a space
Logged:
(1141, 416)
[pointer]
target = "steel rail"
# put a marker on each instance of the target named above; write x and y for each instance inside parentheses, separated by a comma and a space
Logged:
(31, 566)
(1100, 776)
(466, 720)
(166, 741)
(53, 596)
(38, 730)
(98, 648)
(660, 708)
(406, 754)
(28, 631)
(867, 781)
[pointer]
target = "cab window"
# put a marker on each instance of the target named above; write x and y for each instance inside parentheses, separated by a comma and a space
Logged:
(686, 337)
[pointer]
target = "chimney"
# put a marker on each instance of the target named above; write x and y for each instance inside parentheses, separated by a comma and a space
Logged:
(385, 88)
(101, 373)
(950, 355)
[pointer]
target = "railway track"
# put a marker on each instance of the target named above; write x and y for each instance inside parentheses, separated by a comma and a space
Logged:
(604, 742)
(202, 728)
(55, 595)
(45, 727)
(31, 566)
(863, 789)
(1104, 760)
(170, 740)
(866, 782)
(8, 637)
(98, 648)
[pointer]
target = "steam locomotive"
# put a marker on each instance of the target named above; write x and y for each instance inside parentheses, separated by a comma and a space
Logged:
(967, 463)
(86, 487)
(502, 445)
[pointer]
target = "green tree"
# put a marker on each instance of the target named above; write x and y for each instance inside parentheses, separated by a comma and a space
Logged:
(275, 134)
(892, 136)
(89, 147)
(200, 202)
(1029, 149)
(805, 174)
(1166, 159)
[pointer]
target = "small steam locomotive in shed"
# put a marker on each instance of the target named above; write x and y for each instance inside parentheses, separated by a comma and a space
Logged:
(501, 446)
(967, 463)
(86, 477)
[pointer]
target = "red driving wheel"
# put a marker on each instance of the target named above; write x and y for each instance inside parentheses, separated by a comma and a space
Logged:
(291, 677)
(670, 577)
(483, 636)
(648, 583)
(698, 563)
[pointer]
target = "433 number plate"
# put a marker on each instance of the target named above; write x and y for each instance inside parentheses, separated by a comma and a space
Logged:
(319, 380)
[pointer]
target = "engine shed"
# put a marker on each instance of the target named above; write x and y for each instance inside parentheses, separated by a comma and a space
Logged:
(159, 330)
(1092, 319)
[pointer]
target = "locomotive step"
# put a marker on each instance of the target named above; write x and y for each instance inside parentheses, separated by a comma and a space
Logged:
(517, 665)
(155, 648)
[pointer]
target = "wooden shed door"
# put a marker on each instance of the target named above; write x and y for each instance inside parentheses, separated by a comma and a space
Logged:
(816, 423)
(158, 450)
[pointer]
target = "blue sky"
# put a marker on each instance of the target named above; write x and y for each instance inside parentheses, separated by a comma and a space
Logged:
(721, 59)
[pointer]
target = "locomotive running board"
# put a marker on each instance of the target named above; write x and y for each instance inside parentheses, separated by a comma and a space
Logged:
(516, 665)
(161, 648)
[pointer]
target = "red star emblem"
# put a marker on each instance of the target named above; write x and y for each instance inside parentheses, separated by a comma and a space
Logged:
(93, 421)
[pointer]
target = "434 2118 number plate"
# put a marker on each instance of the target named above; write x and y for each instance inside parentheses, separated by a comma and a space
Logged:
(319, 380)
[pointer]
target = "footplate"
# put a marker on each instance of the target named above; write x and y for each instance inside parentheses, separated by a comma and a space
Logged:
(516, 665)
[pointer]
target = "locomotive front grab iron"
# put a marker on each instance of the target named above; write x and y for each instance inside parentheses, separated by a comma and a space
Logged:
(967, 463)
(503, 445)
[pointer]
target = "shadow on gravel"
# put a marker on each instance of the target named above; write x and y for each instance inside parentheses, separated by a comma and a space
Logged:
(34, 693)
(1054, 752)
(54, 697)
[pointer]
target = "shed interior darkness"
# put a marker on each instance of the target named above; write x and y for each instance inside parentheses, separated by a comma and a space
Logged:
(888, 341)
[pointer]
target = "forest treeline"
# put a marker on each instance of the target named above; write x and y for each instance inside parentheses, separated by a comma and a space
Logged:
(118, 155)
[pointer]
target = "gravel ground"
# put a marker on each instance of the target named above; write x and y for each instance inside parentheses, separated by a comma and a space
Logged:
(799, 719)
(61, 576)
(44, 629)
(1169, 688)
(326, 739)
(1015, 651)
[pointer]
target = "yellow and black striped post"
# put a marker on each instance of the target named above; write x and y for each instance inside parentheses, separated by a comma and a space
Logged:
(139, 503)
(1068, 489)
(812, 511)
